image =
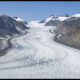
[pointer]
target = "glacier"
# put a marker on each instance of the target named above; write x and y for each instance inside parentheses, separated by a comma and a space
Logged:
(37, 55)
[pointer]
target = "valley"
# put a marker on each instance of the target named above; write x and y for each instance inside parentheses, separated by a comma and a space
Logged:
(37, 55)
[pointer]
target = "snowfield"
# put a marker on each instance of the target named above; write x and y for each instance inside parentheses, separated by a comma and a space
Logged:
(37, 55)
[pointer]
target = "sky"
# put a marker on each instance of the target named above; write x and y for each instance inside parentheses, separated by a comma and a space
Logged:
(38, 10)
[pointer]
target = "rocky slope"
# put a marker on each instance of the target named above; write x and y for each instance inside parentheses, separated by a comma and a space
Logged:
(68, 32)
(10, 27)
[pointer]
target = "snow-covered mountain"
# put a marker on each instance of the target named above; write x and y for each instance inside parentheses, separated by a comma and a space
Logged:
(54, 20)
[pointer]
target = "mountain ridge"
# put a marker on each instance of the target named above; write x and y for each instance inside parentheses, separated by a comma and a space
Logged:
(10, 27)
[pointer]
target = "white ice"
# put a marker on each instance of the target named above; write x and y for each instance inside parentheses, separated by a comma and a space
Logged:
(37, 55)
(62, 18)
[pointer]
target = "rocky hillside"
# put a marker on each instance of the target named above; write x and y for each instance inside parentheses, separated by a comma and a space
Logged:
(10, 27)
(68, 32)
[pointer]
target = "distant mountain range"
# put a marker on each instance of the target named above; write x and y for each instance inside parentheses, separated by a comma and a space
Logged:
(54, 20)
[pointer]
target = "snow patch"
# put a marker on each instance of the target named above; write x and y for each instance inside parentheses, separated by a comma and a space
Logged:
(18, 29)
(2, 38)
(18, 19)
(59, 36)
(76, 15)
(61, 18)
(23, 31)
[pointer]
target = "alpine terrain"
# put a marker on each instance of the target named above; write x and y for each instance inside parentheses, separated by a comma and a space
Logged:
(40, 53)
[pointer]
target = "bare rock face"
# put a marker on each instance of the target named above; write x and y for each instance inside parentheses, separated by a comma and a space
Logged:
(10, 27)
